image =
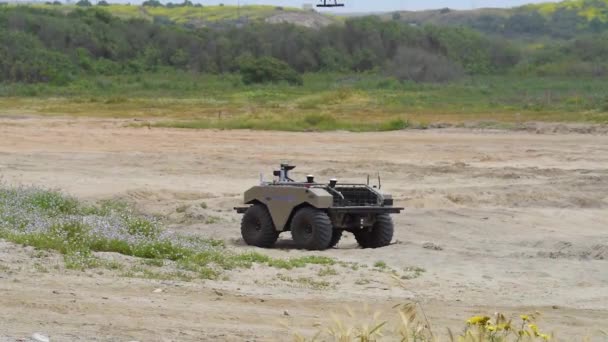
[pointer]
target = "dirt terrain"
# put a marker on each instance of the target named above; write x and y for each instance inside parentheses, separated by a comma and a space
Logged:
(499, 221)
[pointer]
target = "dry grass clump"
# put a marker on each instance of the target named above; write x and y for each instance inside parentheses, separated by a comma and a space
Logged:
(412, 325)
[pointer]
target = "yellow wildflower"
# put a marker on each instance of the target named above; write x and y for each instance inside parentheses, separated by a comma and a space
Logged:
(524, 317)
(478, 320)
(534, 329)
(545, 337)
(524, 333)
(505, 326)
(491, 328)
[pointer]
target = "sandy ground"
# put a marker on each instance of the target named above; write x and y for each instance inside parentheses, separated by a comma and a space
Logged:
(518, 221)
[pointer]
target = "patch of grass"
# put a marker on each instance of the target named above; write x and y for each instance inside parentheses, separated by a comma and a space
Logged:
(140, 226)
(411, 325)
(40, 268)
(115, 100)
(381, 265)
(325, 102)
(141, 272)
(106, 207)
(305, 282)
(110, 264)
(212, 219)
(362, 281)
(352, 265)
(182, 208)
(394, 125)
(49, 220)
(412, 272)
(53, 203)
(327, 271)
(300, 262)
(39, 254)
(154, 262)
(310, 122)
(199, 240)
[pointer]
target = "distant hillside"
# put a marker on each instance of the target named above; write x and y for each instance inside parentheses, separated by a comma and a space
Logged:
(201, 16)
(562, 19)
(59, 43)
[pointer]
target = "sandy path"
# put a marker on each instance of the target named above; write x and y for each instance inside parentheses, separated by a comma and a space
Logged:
(521, 220)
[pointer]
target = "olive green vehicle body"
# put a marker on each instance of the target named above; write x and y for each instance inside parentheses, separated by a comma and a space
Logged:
(284, 197)
(316, 214)
(282, 200)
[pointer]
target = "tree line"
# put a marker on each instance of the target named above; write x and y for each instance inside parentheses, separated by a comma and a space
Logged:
(45, 45)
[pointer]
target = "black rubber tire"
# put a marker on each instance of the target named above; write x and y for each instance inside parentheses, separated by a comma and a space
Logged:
(257, 228)
(311, 229)
(380, 235)
(335, 238)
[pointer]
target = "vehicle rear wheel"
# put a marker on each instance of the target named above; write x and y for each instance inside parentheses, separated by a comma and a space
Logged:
(257, 228)
(380, 235)
(311, 229)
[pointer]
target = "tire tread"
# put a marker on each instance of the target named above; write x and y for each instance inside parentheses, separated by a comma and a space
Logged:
(380, 235)
(322, 229)
(264, 238)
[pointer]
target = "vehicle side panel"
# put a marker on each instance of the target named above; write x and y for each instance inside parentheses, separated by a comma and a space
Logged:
(281, 200)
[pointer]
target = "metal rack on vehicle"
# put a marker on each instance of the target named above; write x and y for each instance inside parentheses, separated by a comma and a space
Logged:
(356, 195)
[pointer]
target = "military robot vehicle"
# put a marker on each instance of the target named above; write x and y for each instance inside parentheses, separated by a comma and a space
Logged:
(316, 214)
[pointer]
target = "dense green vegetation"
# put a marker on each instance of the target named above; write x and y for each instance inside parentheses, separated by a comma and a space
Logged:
(52, 45)
(41, 45)
(367, 73)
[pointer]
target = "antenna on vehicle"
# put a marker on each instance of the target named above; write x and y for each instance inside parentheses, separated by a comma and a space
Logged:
(368, 179)
(379, 182)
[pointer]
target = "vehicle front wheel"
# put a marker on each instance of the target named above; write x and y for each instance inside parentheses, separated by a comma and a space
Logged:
(311, 229)
(335, 238)
(380, 234)
(257, 228)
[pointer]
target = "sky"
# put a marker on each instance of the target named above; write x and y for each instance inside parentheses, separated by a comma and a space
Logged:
(386, 5)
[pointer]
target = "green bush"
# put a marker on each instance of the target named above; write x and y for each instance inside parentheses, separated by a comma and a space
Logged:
(268, 70)
(418, 65)
(54, 203)
(24, 59)
(319, 119)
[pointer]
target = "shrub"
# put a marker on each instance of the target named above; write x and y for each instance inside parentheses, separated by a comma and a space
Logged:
(152, 3)
(53, 203)
(268, 70)
(418, 65)
(319, 119)
(23, 59)
(394, 125)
